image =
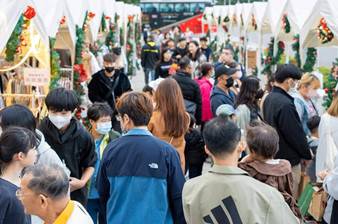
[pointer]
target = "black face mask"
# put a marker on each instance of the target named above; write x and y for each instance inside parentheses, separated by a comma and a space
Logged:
(260, 94)
(230, 82)
(109, 69)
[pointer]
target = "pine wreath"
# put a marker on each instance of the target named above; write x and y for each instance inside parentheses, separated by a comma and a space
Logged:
(286, 24)
(311, 57)
(295, 48)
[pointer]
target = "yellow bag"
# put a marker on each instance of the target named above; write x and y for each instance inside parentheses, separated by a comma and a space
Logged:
(318, 203)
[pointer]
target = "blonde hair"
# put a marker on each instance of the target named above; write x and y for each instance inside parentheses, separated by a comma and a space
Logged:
(309, 80)
(333, 109)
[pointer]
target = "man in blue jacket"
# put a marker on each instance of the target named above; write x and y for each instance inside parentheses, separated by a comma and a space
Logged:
(140, 180)
(221, 94)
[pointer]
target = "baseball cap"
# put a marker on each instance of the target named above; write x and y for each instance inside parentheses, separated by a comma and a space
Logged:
(225, 109)
(224, 70)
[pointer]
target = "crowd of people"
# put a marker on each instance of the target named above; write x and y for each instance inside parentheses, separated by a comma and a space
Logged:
(138, 157)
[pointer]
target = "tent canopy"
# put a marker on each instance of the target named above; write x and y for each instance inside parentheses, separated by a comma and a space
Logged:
(257, 11)
(272, 14)
(327, 9)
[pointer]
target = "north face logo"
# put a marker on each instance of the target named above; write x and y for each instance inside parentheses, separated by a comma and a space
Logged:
(220, 214)
(153, 165)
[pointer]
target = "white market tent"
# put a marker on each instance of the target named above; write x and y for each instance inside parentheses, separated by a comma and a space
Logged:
(296, 12)
(257, 11)
(272, 14)
(327, 9)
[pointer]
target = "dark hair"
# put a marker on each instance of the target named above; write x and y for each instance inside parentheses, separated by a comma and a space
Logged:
(110, 57)
(221, 136)
(229, 48)
(248, 92)
(98, 110)
(51, 180)
(263, 140)
(204, 38)
(198, 52)
(313, 123)
(205, 69)
(138, 106)
(184, 62)
(148, 89)
(170, 104)
(287, 71)
(61, 99)
(15, 140)
(17, 115)
(269, 83)
(165, 50)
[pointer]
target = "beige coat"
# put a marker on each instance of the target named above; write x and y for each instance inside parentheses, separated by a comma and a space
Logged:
(156, 127)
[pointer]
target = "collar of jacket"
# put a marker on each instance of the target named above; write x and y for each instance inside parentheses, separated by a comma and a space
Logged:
(182, 73)
(152, 44)
(227, 170)
(138, 131)
(276, 89)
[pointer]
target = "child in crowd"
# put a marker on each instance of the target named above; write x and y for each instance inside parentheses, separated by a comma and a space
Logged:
(262, 141)
(99, 116)
(313, 124)
(194, 150)
(70, 140)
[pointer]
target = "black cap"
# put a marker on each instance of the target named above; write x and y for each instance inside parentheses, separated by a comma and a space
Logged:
(224, 70)
(287, 71)
(182, 39)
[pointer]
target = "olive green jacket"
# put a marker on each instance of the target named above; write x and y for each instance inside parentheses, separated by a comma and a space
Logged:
(229, 195)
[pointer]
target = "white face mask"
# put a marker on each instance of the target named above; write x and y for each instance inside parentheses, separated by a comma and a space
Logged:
(60, 121)
(312, 94)
(103, 128)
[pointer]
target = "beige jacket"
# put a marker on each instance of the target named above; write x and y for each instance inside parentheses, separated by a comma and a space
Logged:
(156, 127)
(228, 193)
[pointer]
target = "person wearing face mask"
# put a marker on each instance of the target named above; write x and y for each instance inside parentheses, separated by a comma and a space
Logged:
(99, 115)
(280, 112)
(140, 175)
(222, 94)
(109, 84)
(70, 140)
(306, 91)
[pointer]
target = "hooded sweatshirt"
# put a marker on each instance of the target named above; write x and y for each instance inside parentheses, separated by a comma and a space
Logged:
(150, 55)
(76, 149)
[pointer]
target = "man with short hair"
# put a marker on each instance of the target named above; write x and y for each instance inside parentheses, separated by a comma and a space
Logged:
(150, 55)
(280, 112)
(226, 57)
(206, 50)
(226, 194)
(181, 49)
(44, 192)
(140, 179)
(222, 94)
(190, 89)
(109, 84)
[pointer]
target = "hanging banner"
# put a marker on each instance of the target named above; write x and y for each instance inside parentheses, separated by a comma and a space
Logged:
(36, 76)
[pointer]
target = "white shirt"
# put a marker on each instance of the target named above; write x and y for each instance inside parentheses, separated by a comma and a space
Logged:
(79, 215)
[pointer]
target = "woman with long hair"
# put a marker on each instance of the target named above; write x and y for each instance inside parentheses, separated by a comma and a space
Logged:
(247, 106)
(306, 91)
(326, 157)
(169, 121)
(205, 83)
(163, 66)
(17, 151)
(196, 55)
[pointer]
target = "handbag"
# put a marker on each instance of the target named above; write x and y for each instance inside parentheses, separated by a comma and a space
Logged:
(318, 203)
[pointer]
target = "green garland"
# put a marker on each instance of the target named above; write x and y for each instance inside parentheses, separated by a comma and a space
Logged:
(269, 61)
(280, 52)
(103, 23)
(286, 25)
(54, 65)
(329, 88)
(121, 37)
(130, 46)
(78, 61)
(311, 57)
(295, 48)
(14, 41)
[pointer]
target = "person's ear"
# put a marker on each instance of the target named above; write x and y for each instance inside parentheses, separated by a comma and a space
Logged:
(92, 123)
(43, 201)
(207, 151)
(19, 156)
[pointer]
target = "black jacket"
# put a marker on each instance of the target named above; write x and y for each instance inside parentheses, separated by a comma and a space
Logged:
(191, 91)
(76, 149)
(194, 147)
(100, 86)
(150, 55)
(162, 69)
(180, 52)
(219, 97)
(280, 112)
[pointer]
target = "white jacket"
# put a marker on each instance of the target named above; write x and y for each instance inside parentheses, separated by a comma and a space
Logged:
(328, 143)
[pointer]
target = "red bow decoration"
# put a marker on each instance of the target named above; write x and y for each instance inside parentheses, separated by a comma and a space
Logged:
(107, 17)
(130, 18)
(79, 68)
(91, 15)
(63, 20)
(29, 13)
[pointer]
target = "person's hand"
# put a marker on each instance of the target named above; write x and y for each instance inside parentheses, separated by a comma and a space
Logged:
(247, 159)
(75, 184)
(322, 174)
